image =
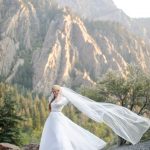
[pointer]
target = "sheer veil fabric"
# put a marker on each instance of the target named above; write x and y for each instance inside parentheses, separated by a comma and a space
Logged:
(121, 120)
(60, 133)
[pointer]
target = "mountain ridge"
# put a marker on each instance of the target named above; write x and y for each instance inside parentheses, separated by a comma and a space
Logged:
(62, 47)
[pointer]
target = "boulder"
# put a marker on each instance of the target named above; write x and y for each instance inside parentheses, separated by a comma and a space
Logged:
(8, 146)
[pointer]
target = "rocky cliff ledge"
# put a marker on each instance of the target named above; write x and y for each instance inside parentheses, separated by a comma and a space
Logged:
(33, 146)
(140, 146)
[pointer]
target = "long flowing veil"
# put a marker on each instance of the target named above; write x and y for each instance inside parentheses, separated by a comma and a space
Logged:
(121, 120)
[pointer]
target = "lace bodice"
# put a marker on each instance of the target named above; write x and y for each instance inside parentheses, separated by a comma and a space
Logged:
(58, 104)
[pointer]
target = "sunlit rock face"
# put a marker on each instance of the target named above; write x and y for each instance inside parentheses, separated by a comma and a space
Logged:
(63, 47)
(80, 52)
(68, 54)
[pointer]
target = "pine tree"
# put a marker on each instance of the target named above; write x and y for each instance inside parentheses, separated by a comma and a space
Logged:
(9, 120)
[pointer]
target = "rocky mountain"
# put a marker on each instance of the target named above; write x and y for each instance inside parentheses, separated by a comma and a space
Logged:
(106, 10)
(92, 10)
(60, 46)
(142, 28)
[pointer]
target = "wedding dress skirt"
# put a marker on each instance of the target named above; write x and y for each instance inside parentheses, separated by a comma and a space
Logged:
(60, 133)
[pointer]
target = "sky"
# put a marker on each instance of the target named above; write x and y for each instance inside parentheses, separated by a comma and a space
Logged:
(134, 8)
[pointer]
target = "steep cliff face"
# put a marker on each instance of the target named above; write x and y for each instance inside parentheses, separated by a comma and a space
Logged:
(7, 53)
(17, 32)
(66, 53)
(63, 47)
(123, 47)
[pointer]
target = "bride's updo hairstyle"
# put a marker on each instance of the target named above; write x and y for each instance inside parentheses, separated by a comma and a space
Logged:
(56, 87)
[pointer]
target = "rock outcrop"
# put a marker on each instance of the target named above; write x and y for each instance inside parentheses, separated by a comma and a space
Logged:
(8, 146)
(139, 146)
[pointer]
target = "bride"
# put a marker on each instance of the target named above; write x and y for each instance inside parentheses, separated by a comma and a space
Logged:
(60, 133)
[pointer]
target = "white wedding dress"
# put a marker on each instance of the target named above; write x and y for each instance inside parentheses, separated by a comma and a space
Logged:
(60, 133)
